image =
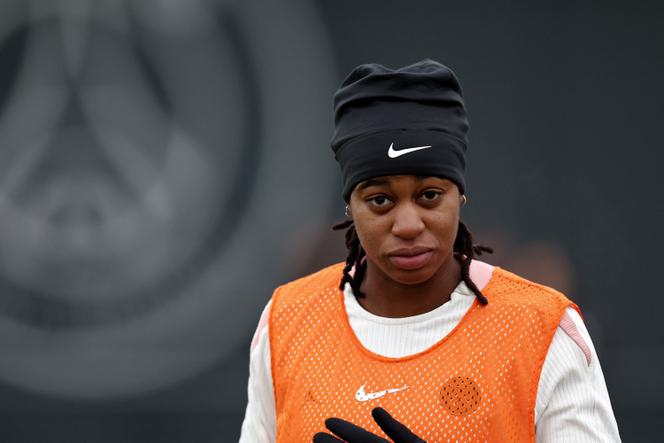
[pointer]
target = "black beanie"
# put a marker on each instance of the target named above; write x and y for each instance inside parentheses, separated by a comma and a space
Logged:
(410, 120)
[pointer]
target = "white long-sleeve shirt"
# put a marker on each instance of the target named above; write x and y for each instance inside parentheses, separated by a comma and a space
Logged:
(572, 403)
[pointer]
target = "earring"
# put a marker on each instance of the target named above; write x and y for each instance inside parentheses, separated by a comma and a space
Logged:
(463, 200)
(347, 211)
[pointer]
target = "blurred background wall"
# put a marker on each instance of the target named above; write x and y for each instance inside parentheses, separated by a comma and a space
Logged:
(164, 164)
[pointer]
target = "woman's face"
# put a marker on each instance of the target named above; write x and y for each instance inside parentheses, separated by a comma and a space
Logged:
(406, 224)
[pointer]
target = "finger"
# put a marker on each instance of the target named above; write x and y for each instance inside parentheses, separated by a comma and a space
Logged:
(323, 437)
(394, 429)
(351, 433)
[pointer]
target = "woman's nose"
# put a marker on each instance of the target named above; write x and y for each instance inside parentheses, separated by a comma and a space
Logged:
(407, 223)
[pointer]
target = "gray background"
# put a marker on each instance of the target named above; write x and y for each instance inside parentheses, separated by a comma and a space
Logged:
(194, 135)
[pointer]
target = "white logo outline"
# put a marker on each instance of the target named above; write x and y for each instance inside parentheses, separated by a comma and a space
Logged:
(360, 395)
(393, 153)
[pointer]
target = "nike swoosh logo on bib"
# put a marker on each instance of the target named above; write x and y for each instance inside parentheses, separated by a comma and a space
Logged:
(393, 153)
(360, 395)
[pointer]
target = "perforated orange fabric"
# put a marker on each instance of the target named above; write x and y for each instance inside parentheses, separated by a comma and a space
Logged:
(477, 384)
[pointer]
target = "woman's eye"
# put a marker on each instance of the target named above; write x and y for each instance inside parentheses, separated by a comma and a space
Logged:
(379, 200)
(430, 195)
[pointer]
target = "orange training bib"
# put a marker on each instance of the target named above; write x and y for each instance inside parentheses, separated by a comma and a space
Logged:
(478, 383)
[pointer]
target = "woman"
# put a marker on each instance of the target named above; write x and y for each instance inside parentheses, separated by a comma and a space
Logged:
(454, 348)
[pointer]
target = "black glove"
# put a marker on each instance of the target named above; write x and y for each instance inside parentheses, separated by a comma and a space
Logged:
(350, 433)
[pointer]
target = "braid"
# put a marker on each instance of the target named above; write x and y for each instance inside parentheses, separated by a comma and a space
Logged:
(354, 258)
(464, 251)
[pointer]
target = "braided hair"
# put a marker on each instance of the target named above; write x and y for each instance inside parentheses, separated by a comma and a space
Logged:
(464, 251)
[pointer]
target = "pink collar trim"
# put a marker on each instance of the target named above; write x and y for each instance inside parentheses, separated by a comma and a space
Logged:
(480, 273)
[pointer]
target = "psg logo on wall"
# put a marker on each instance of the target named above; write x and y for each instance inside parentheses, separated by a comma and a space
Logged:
(148, 151)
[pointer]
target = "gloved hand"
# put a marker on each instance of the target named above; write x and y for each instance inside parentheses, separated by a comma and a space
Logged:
(350, 433)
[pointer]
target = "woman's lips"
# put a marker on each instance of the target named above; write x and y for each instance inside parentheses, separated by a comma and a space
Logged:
(411, 258)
